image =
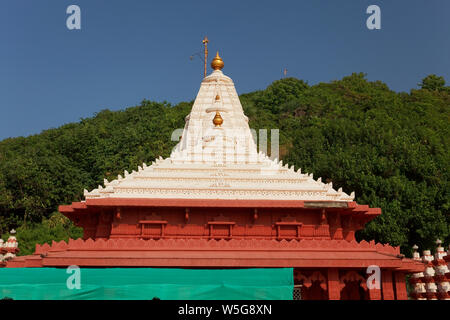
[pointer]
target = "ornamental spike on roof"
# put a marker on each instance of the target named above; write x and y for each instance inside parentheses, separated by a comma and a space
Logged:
(218, 159)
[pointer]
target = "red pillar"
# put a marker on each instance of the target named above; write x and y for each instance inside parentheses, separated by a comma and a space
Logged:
(374, 294)
(400, 286)
(334, 290)
(387, 285)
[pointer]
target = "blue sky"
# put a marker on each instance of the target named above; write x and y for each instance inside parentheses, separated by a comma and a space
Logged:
(129, 50)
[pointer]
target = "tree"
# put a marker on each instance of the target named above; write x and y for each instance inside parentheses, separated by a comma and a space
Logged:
(432, 82)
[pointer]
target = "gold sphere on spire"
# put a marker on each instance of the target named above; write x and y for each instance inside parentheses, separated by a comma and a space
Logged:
(217, 63)
(217, 119)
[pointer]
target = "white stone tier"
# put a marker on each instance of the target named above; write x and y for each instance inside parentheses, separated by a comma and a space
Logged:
(218, 162)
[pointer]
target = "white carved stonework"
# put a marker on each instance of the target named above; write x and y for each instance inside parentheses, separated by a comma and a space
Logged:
(442, 269)
(440, 252)
(420, 288)
(444, 286)
(218, 161)
(431, 287)
(10, 247)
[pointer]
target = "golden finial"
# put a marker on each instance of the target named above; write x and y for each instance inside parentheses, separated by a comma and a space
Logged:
(217, 63)
(217, 119)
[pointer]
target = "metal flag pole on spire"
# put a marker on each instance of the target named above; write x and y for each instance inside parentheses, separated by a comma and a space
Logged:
(205, 57)
(205, 42)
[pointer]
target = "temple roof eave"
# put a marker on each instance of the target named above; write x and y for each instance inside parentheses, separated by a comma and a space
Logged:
(349, 207)
(211, 253)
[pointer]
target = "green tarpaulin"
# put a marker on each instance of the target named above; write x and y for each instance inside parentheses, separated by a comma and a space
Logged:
(146, 283)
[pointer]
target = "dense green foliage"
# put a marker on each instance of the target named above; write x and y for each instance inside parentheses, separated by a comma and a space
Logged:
(56, 227)
(390, 148)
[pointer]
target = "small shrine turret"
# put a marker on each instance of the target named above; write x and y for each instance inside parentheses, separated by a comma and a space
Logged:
(434, 282)
(8, 249)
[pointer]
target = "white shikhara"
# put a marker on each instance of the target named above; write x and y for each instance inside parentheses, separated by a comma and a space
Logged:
(218, 161)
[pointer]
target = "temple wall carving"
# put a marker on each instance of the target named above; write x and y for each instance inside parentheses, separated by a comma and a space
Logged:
(222, 223)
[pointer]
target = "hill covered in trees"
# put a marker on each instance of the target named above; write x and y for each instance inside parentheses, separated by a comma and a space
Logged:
(390, 148)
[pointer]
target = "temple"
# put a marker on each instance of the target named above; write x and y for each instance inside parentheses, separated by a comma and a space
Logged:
(217, 202)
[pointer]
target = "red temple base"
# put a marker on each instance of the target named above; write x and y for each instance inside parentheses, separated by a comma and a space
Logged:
(315, 239)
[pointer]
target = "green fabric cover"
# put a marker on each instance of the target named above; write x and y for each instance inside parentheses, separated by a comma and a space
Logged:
(147, 283)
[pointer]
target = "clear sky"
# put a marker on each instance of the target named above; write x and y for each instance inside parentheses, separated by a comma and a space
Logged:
(129, 50)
